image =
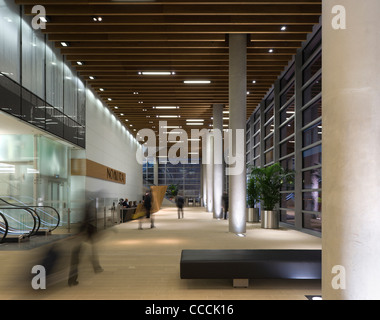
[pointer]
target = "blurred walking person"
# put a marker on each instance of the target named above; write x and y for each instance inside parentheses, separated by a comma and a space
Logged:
(179, 202)
(148, 202)
(87, 233)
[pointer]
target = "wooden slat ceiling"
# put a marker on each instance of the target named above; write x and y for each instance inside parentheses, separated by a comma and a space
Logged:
(188, 37)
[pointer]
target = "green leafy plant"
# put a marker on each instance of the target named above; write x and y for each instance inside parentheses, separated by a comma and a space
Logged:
(172, 190)
(253, 192)
(269, 181)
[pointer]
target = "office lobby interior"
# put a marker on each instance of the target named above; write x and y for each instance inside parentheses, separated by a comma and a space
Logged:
(105, 104)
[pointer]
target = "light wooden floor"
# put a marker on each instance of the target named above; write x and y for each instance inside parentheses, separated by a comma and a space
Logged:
(144, 264)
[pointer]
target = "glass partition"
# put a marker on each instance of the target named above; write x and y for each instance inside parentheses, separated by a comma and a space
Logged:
(34, 171)
(287, 128)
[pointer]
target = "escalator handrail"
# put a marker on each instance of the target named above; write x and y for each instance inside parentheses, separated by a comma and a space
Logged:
(6, 227)
(18, 206)
(32, 213)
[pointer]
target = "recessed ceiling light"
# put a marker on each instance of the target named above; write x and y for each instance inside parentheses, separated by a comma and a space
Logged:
(80, 63)
(171, 127)
(254, 81)
(156, 73)
(248, 92)
(116, 107)
(283, 28)
(101, 89)
(270, 50)
(168, 116)
(126, 120)
(109, 99)
(64, 44)
(121, 114)
(197, 81)
(92, 77)
(97, 19)
(166, 107)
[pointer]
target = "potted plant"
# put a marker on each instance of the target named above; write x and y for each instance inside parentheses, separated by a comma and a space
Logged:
(270, 180)
(253, 197)
(172, 191)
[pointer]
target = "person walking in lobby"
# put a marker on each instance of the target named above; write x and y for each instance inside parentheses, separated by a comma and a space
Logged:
(179, 202)
(148, 201)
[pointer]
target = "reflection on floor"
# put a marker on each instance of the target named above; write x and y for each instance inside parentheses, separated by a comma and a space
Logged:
(144, 264)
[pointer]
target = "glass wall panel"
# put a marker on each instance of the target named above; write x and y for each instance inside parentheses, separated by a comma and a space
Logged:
(269, 100)
(313, 68)
(312, 46)
(186, 176)
(269, 142)
(70, 92)
(10, 93)
(312, 201)
(312, 221)
(287, 77)
(256, 139)
(311, 113)
(256, 127)
(269, 128)
(288, 163)
(53, 158)
(10, 39)
(269, 157)
(33, 58)
(312, 134)
(312, 157)
(287, 200)
(54, 76)
(287, 216)
(287, 112)
(256, 151)
(34, 170)
(81, 113)
(286, 148)
(55, 121)
(33, 109)
(17, 177)
(287, 130)
(287, 95)
(314, 89)
(269, 114)
(312, 179)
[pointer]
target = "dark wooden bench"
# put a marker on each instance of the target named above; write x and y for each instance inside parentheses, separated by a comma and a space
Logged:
(242, 265)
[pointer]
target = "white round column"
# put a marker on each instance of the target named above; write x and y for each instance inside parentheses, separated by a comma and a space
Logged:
(238, 117)
(218, 159)
(351, 150)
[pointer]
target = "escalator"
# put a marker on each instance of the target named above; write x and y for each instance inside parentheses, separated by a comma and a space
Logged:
(17, 223)
(20, 221)
(48, 216)
(4, 227)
